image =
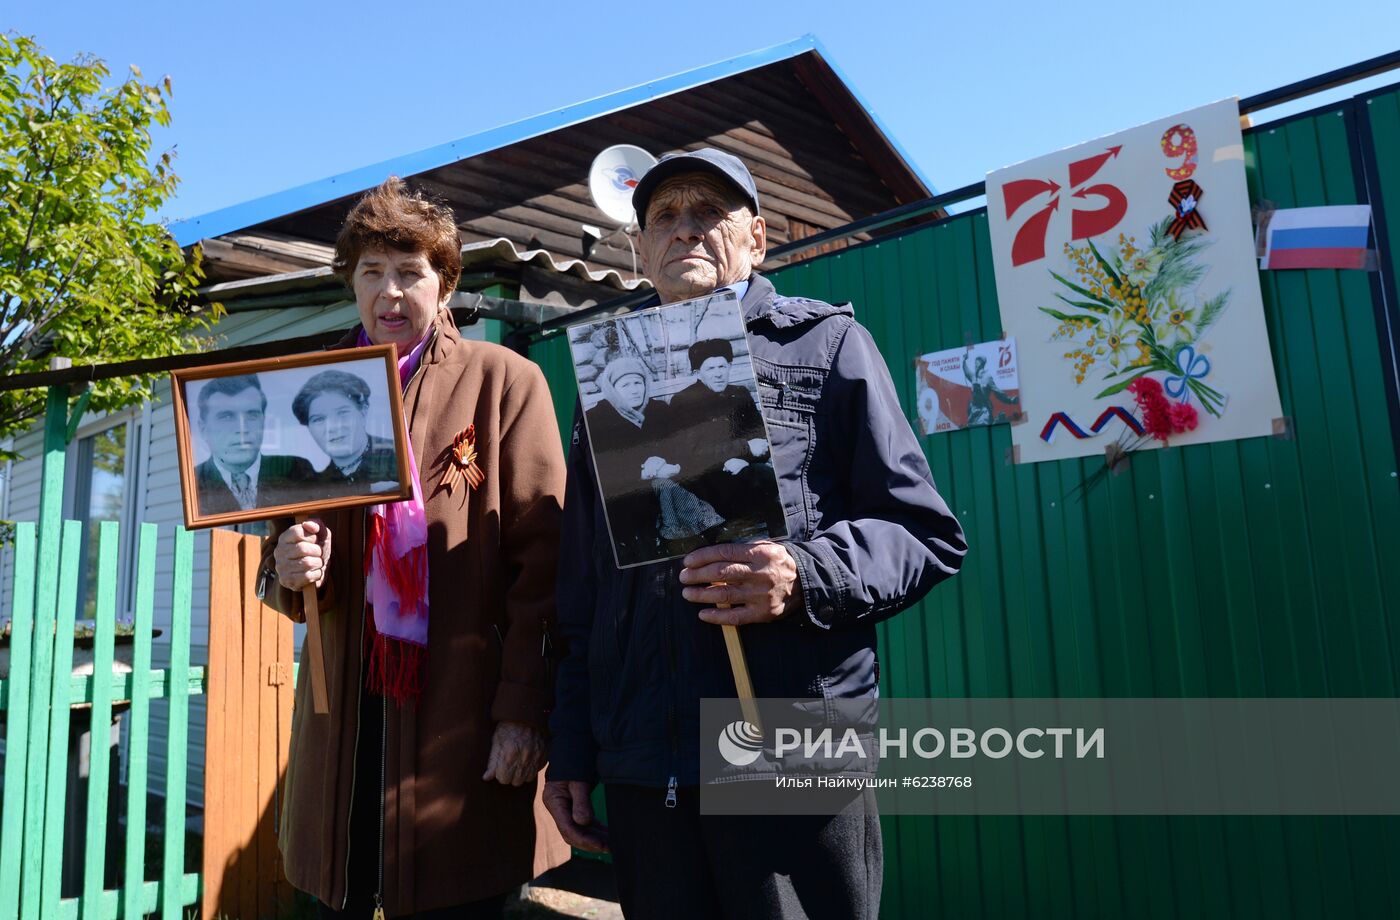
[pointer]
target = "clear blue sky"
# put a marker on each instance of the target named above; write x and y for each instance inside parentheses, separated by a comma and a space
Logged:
(269, 95)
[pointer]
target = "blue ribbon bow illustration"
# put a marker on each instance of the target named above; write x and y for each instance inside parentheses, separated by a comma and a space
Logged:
(1193, 366)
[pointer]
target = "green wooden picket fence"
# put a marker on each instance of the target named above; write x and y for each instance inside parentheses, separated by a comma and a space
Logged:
(35, 701)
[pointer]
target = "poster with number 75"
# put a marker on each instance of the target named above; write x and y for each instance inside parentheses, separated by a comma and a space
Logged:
(1125, 270)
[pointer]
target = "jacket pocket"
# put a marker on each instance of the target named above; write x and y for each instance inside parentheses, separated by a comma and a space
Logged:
(789, 397)
(789, 394)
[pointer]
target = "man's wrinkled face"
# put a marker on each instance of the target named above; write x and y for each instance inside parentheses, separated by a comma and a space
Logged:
(714, 373)
(700, 235)
(232, 426)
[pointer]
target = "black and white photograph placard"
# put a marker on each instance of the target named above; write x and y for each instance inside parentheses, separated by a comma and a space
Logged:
(679, 444)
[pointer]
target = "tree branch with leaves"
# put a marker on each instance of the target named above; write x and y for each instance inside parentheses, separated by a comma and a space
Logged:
(87, 272)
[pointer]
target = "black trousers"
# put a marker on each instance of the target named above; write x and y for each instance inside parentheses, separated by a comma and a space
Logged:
(675, 864)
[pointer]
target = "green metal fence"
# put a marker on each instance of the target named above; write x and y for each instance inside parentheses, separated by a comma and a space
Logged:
(1263, 567)
(40, 693)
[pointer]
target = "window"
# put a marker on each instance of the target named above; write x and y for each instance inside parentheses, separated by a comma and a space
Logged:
(103, 468)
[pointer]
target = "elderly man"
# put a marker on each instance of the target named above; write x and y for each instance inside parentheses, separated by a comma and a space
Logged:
(238, 475)
(868, 536)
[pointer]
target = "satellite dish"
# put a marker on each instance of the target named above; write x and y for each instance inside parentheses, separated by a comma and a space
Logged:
(612, 177)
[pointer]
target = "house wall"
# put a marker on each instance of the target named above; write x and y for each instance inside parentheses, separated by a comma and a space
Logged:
(1255, 568)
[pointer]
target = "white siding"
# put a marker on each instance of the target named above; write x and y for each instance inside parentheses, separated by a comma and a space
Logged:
(21, 504)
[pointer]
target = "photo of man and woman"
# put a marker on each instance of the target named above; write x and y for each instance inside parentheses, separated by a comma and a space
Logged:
(293, 436)
(672, 414)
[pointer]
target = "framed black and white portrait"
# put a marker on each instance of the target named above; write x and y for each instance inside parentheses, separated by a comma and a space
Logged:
(679, 444)
(290, 436)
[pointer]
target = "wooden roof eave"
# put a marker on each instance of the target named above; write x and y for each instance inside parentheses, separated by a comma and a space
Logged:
(861, 126)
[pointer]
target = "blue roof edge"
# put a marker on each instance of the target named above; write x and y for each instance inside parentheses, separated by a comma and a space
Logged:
(909, 161)
(255, 211)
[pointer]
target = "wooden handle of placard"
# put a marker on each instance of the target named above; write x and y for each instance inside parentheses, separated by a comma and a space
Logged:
(737, 663)
(742, 683)
(319, 702)
(313, 641)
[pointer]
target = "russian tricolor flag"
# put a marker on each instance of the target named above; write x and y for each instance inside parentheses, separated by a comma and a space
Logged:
(1330, 237)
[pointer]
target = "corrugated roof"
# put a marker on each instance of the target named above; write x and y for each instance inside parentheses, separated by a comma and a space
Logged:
(504, 250)
(497, 250)
(268, 207)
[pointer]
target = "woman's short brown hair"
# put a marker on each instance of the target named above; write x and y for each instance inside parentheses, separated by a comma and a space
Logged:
(391, 217)
(351, 386)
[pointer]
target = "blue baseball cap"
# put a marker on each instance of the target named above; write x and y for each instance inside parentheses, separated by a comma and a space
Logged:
(723, 166)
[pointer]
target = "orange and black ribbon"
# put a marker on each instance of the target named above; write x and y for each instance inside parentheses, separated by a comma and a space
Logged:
(1185, 199)
(461, 463)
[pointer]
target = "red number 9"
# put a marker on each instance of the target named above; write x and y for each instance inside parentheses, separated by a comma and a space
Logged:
(1180, 141)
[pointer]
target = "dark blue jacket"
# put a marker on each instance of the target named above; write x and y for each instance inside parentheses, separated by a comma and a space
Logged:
(869, 532)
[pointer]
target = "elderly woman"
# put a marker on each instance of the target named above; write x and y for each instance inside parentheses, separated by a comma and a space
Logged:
(619, 429)
(414, 794)
(650, 514)
(334, 407)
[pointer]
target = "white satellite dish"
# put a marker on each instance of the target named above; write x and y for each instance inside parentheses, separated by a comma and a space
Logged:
(612, 177)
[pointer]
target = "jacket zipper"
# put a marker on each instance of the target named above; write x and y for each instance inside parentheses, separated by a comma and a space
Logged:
(354, 761)
(383, 781)
(547, 653)
(383, 730)
(674, 731)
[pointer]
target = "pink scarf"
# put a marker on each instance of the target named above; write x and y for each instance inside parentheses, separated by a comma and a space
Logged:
(396, 579)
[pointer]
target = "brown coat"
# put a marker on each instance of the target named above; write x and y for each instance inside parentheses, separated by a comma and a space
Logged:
(449, 837)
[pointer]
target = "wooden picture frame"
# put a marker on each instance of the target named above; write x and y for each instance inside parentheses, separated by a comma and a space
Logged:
(302, 472)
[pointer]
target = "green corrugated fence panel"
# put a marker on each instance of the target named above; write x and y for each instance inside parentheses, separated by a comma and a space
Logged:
(1245, 568)
(1249, 568)
(17, 720)
(1261, 567)
(552, 356)
(1383, 117)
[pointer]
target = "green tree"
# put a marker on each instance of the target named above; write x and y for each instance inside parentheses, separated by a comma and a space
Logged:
(86, 270)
